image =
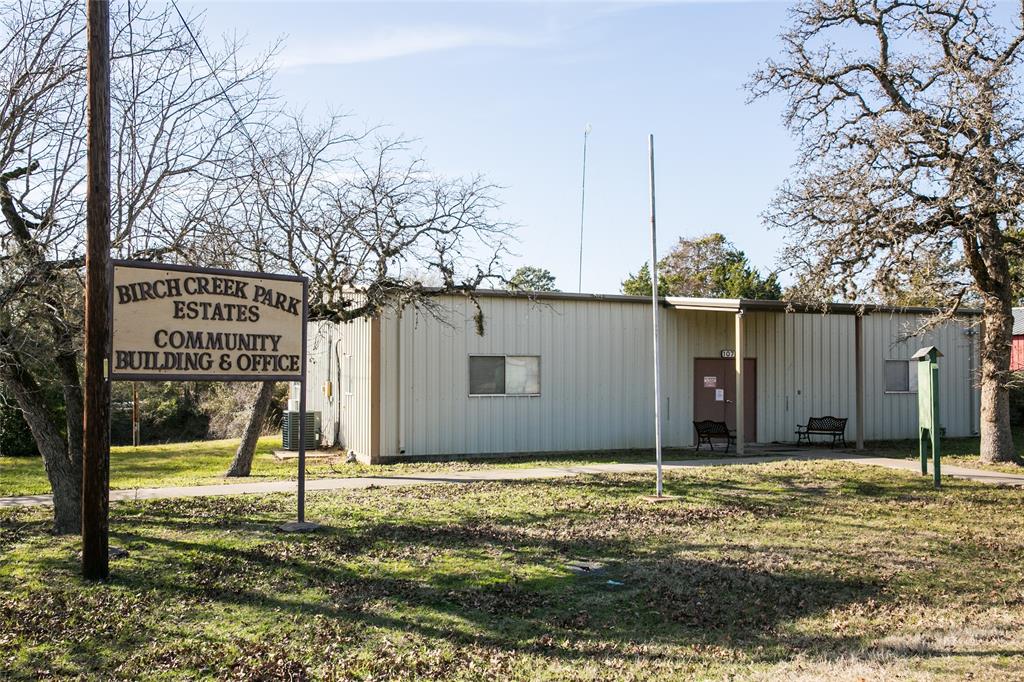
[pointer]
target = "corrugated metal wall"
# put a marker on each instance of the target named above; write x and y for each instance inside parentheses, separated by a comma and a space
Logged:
(805, 365)
(1017, 354)
(894, 415)
(596, 375)
(341, 353)
(595, 378)
(321, 366)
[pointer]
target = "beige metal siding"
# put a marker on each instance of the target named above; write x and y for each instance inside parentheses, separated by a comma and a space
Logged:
(596, 393)
(806, 367)
(894, 415)
(595, 365)
(320, 368)
(346, 415)
(392, 376)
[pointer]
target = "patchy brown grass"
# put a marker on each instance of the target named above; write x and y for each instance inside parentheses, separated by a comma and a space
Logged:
(792, 570)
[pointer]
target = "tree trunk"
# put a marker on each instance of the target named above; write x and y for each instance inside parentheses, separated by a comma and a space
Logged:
(242, 463)
(63, 472)
(71, 385)
(997, 336)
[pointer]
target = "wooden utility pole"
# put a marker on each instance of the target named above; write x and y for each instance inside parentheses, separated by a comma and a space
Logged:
(96, 442)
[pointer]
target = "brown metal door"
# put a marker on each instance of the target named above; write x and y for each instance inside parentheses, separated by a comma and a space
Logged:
(714, 393)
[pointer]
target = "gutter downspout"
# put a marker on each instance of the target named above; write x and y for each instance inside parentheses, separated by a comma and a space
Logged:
(339, 404)
(401, 384)
(376, 397)
(858, 364)
(972, 429)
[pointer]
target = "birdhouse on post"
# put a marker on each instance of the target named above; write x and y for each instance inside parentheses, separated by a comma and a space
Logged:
(928, 430)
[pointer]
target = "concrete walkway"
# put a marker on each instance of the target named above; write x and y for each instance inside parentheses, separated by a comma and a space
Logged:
(948, 471)
(509, 474)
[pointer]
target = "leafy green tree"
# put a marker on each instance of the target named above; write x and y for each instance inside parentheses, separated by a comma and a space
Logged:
(708, 266)
(529, 278)
(15, 436)
(640, 283)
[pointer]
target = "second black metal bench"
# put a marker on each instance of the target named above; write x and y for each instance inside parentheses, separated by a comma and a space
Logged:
(822, 426)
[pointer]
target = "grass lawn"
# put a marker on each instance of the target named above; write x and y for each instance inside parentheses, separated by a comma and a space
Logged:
(956, 451)
(790, 570)
(154, 465)
(204, 462)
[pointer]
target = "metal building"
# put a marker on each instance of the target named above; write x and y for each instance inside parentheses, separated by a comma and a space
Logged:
(557, 372)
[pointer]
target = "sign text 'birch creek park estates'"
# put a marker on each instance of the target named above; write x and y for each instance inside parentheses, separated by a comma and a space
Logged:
(172, 322)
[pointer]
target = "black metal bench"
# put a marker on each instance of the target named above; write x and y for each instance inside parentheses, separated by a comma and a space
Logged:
(709, 430)
(822, 426)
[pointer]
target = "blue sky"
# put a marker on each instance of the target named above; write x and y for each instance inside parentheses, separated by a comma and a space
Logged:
(506, 90)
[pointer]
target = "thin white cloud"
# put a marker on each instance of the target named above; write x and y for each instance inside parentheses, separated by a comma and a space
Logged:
(399, 42)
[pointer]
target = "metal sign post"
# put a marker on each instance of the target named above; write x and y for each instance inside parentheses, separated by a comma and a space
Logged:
(300, 524)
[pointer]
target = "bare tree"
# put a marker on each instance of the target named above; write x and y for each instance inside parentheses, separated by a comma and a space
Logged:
(359, 213)
(241, 464)
(176, 137)
(911, 147)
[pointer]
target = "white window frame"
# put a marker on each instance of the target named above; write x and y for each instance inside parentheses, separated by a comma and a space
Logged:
(469, 379)
(911, 377)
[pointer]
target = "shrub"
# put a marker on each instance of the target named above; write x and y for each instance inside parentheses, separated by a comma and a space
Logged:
(15, 437)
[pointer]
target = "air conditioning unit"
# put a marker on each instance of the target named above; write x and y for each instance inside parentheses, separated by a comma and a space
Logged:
(290, 430)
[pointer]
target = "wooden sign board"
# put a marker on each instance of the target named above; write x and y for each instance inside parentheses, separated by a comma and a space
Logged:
(174, 323)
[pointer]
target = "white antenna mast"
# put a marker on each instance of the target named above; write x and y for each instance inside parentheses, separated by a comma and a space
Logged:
(583, 203)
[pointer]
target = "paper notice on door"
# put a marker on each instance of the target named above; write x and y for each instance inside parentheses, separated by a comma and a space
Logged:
(710, 382)
(719, 394)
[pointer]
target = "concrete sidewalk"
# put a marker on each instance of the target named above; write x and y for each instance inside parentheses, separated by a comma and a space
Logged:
(509, 474)
(948, 471)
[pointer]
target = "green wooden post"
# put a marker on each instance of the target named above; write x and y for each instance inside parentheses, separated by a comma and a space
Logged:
(933, 367)
(922, 450)
(929, 430)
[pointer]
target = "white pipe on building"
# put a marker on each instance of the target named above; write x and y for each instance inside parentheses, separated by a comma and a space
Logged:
(401, 384)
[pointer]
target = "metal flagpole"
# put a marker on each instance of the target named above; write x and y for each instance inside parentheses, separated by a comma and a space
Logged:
(654, 317)
(96, 394)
